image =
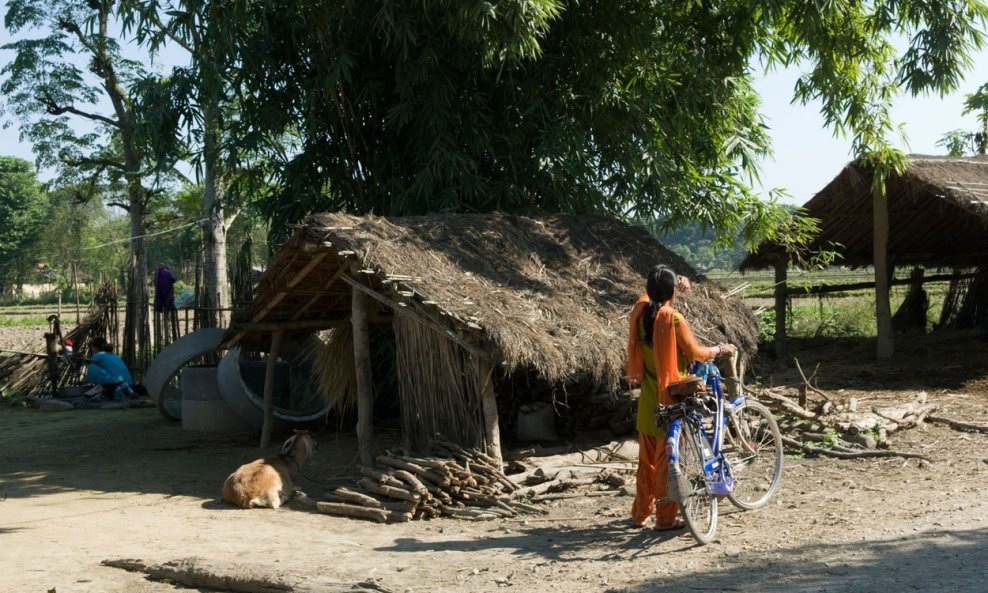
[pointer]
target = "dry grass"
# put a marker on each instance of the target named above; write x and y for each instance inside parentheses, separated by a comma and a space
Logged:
(551, 293)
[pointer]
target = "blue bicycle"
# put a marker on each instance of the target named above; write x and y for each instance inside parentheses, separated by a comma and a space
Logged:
(719, 447)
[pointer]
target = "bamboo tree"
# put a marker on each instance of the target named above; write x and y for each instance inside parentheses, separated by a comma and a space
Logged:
(199, 100)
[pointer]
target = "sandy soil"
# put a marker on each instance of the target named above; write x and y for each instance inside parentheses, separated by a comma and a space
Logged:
(80, 487)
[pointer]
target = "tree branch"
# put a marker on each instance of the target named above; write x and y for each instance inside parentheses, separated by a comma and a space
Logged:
(53, 108)
(89, 162)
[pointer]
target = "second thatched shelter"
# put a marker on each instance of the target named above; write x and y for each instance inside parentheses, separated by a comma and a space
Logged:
(472, 300)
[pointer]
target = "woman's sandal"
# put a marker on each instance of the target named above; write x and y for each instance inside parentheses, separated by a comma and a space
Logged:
(675, 526)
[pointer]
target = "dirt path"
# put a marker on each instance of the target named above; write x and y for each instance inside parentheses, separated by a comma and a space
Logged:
(80, 487)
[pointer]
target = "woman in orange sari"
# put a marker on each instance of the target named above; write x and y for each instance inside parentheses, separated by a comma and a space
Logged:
(661, 347)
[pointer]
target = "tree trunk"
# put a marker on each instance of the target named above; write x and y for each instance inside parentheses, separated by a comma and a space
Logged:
(216, 284)
(136, 330)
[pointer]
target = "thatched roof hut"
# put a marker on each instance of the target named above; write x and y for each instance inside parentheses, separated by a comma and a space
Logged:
(934, 215)
(937, 215)
(470, 293)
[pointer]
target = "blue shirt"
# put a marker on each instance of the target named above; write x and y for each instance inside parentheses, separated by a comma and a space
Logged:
(106, 368)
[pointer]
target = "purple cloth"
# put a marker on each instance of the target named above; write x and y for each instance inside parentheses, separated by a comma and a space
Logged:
(164, 293)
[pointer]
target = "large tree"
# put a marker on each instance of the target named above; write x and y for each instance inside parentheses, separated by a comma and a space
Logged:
(196, 98)
(631, 107)
(22, 217)
(68, 88)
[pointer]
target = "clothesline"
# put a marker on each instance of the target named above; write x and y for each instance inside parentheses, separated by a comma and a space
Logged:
(171, 230)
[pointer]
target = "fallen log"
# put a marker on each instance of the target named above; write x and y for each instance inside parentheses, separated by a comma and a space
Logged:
(196, 573)
(787, 404)
(843, 454)
(956, 425)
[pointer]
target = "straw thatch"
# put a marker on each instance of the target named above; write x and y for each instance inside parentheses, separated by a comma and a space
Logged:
(551, 294)
(938, 215)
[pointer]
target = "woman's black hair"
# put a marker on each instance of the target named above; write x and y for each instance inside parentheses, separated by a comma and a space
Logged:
(101, 344)
(659, 285)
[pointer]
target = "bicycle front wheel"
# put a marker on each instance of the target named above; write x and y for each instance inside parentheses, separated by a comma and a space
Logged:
(753, 448)
(698, 505)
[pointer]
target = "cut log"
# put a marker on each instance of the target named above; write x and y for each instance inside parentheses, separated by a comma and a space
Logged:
(357, 498)
(413, 468)
(389, 491)
(352, 510)
(381, 477)
(411, 481)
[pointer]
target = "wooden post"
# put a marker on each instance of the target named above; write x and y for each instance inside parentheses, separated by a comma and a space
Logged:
(75, 289)
(781, 306)
(362, 369)
(883, 309)
(269, 375)
(492, 433)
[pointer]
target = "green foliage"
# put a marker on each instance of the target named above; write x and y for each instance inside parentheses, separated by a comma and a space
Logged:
(959, 142)
(22, 217)
(22, 320)
(632, 108)
(962, 142)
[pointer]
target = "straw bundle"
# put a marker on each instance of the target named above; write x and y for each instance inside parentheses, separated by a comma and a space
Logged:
(438, 386)
(336, 378)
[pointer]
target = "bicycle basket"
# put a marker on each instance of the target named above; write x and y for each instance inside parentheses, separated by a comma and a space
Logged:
(680, 390)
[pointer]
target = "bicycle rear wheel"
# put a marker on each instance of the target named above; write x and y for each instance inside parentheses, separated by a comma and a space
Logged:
(698, 505)
(753, 448)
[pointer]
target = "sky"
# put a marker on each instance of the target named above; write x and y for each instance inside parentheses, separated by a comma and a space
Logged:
(806, 155)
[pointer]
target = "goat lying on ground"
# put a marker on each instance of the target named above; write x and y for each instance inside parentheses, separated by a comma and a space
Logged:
(270, 482)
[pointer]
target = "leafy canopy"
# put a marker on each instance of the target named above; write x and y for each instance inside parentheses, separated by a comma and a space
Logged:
(22, 215)
(636, 108)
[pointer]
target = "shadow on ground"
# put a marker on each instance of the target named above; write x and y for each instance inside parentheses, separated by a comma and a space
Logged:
(929, 562)
(133, 450)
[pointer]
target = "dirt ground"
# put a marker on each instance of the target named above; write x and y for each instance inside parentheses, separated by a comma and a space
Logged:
(80, 487)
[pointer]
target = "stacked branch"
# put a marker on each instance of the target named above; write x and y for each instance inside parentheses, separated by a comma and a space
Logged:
(837, 428)
(30, 372)
(454, 481)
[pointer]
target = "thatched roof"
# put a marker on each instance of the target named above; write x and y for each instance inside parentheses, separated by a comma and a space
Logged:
(938, 215)
(549, 293)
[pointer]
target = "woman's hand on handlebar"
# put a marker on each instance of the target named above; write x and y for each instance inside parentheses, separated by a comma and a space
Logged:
(724, 348)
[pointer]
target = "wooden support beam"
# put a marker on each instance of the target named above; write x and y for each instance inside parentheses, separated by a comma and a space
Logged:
(325, 322)
(362, 368)
(329, 283)
(781, 305)
(405, 310)
(292, 282)
(488, 401)
(883, 309)
(269, 374)
(828, 288)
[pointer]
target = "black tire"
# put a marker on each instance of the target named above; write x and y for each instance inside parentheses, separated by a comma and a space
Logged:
(699, 506)
(753, 448)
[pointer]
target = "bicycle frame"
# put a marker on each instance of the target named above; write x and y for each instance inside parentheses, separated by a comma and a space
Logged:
(716, 469)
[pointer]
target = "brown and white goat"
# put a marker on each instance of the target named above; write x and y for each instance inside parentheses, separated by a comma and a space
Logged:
(270, 481)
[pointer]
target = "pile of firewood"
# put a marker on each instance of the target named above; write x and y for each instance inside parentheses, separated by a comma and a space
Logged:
(455, 481)
(815, 421)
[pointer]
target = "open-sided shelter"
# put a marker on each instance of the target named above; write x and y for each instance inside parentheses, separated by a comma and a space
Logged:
(472, 298)
(934, 214)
